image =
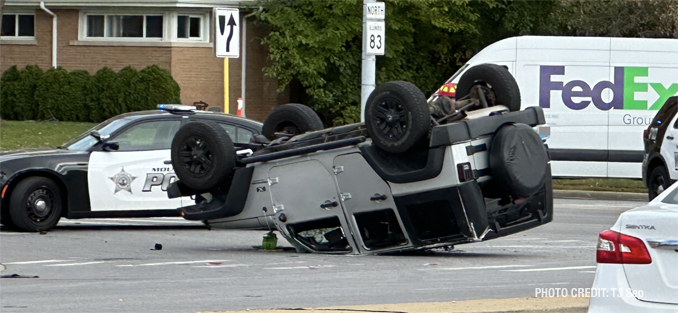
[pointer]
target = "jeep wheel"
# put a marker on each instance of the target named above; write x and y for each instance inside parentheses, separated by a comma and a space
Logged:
(658, 181)
(203, 155)
(494, 81)
(397, 117)
(292, 119)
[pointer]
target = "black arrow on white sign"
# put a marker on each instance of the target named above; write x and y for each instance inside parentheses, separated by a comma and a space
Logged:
(231, 22)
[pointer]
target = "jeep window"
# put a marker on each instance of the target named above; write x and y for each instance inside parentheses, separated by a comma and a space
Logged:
(156, 135)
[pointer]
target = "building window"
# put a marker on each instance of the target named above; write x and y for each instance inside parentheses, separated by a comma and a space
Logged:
(18, 25)
(189, 27)
(124, 26)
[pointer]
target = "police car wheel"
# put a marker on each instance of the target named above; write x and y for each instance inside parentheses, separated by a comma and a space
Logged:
(291, 119)
(658, 182)
(203, 155)
(495, 77)
(35, 204)
(397, 117)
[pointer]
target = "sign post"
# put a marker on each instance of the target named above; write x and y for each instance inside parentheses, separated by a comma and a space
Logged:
(374, 43)
(226, 41)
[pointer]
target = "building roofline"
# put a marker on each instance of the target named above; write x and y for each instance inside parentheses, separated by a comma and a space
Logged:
(131, 3)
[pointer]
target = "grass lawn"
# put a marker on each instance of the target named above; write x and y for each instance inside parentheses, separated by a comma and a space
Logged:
(31, 134)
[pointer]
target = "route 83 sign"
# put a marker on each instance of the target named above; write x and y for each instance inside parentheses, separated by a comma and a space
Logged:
(375, 39)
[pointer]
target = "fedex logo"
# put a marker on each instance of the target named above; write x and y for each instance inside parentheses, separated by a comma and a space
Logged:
(623, 87)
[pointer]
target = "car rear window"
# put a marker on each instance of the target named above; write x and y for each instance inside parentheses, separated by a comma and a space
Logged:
(665, 113)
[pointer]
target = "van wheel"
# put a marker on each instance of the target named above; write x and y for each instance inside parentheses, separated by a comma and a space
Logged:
(658, 181)
(494, 81)
(397, 117)
(292, 119)
(203, 155)
(35, 204)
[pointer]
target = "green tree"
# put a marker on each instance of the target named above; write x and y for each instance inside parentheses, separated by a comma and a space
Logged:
(317, 44)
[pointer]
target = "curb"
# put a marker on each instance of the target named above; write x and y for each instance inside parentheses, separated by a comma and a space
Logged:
(511, 305)
(600, 195)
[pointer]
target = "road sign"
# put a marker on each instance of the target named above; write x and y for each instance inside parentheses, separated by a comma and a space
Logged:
(375, 11)
(227, 33)
(375, 38)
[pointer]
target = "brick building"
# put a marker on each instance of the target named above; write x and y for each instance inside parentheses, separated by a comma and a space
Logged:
(176, 35)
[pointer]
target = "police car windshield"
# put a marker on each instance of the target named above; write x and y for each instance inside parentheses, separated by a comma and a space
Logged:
(86, 141)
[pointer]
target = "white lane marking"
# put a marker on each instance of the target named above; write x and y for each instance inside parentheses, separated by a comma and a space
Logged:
(177, 221)
(36, 262)
(280, 263)
(223, 265)
(592, 246)
(551, 269)
(588, 272)
(472, 268)
(75, 264)
(174, 263)
(14, 234)
(490, 286)
(298, 267)
(85, 223)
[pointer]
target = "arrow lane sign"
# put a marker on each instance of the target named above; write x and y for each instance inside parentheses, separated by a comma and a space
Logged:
(231, 22)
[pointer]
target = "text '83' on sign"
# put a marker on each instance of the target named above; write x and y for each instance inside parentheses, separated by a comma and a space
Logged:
(375, 39)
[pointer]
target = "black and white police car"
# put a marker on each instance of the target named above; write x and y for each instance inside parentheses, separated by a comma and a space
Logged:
(119, 168)
(660, 165)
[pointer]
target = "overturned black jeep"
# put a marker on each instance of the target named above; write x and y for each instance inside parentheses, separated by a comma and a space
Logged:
(413, 176)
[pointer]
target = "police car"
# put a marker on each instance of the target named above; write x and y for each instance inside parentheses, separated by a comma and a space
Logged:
(660, 167)
(119, 168)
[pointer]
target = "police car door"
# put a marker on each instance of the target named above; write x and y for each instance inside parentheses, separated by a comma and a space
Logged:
(136, 176)
(669, 147)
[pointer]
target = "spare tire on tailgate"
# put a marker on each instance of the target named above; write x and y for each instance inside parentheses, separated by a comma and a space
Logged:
(203, 155)
(518, 160)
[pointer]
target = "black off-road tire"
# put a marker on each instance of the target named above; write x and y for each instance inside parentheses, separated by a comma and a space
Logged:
(291, 118)
(397, 117)
(35, 204)
(518, 160)
(658, 182)
(203, 155)
(497, 78)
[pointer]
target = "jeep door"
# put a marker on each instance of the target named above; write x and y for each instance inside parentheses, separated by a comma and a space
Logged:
(308, 207)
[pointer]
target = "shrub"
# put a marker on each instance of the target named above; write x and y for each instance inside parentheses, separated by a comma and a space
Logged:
(18, 92)
(57, 94)
(104, 95)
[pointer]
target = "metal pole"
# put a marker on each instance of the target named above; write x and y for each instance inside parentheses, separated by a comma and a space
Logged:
(368, 67)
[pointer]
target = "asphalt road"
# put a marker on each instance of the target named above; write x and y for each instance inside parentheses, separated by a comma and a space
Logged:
(109, 266)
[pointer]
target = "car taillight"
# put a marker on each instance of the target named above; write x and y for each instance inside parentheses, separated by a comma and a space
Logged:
(646, 134)
(614, 247)
(465, 172)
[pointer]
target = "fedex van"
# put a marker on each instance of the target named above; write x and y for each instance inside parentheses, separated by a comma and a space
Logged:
(598, 95)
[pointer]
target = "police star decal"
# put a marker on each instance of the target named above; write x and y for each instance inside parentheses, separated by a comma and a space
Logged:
(123, 181)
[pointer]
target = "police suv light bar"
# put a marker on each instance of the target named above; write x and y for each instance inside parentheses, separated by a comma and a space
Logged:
(176, 107)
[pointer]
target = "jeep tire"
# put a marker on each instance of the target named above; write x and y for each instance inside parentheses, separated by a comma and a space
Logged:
(397, 117)
(203, 155)
(497, 79)
(292, 119)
